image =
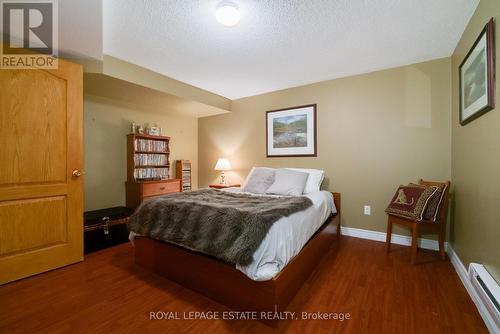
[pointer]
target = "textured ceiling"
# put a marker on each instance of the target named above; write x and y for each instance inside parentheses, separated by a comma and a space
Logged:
(280, 43)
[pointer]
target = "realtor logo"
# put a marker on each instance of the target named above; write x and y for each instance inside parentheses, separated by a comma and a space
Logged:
(29, 34)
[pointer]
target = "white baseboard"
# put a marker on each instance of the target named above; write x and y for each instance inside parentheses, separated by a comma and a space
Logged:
(432, 245)
(464, 277)
(397, 239)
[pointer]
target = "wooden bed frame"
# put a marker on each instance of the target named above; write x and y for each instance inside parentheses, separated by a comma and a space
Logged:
(225, 284)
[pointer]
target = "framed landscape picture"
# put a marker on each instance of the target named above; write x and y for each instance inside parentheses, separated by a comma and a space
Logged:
(291, 132)
(477, 77)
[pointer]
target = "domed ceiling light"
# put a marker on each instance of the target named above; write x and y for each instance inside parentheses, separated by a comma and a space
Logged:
(227, 13)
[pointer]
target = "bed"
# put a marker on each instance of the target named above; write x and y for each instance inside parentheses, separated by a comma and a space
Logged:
(286, 257)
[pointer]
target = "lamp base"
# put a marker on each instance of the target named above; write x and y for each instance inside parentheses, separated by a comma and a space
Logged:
(222, 178)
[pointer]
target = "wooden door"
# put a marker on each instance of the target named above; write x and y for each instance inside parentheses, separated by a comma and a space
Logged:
(41, 202)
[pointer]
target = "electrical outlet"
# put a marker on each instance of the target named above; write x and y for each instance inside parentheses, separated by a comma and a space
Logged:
(367, 210)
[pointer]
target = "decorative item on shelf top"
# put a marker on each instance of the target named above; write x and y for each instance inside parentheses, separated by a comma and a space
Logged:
(153, 130)
(223, 165)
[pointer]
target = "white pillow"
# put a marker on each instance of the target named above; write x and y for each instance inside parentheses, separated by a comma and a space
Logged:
(259, 180)
(288, 182)
(250, 175)
(314, 180)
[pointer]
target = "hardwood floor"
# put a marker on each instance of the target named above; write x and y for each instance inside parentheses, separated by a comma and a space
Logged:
(382, 293)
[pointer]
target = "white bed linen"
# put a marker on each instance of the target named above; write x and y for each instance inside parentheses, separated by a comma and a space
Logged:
(287, 236)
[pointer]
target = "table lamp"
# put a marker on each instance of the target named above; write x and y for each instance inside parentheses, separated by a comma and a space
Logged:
(223, 165)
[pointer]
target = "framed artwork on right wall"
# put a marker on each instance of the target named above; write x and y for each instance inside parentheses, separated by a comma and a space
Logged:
(477, 76)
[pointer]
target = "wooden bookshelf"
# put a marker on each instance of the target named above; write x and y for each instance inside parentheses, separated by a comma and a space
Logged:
(148, 168)
(183, 172)
(147, 157)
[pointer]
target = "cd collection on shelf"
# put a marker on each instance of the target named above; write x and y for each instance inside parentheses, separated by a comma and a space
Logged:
(183, 172)
(148, 145)
(150, 157)
(186, 180)
(144, 159)
(151, 173)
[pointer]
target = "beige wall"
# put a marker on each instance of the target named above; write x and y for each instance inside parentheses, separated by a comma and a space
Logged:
(106, 123)
(375, 131)
(475, 163)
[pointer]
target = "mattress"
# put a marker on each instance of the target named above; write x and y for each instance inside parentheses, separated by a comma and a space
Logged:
(287, 236)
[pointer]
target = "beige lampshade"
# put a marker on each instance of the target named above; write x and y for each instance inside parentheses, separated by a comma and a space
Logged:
(223, 164)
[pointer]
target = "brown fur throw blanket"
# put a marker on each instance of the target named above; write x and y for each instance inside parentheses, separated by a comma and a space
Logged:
(228, 226)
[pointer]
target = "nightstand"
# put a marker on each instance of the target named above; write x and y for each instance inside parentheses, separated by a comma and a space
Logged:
(222, 186)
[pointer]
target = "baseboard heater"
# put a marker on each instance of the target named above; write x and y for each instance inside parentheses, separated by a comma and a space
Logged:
(488, 292)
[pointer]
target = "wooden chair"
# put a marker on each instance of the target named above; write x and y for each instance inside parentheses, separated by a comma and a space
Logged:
(439, 226)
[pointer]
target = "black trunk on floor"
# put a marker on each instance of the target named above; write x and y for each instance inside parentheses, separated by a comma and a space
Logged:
(105, 228)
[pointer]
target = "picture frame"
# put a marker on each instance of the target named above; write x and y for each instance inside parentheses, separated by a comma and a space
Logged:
(477, 77)
(291, 132)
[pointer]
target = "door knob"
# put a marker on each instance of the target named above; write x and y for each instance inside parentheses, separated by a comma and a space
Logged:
(76, 173)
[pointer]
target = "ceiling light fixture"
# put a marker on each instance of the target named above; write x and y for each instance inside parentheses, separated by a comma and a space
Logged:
(227, 13)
